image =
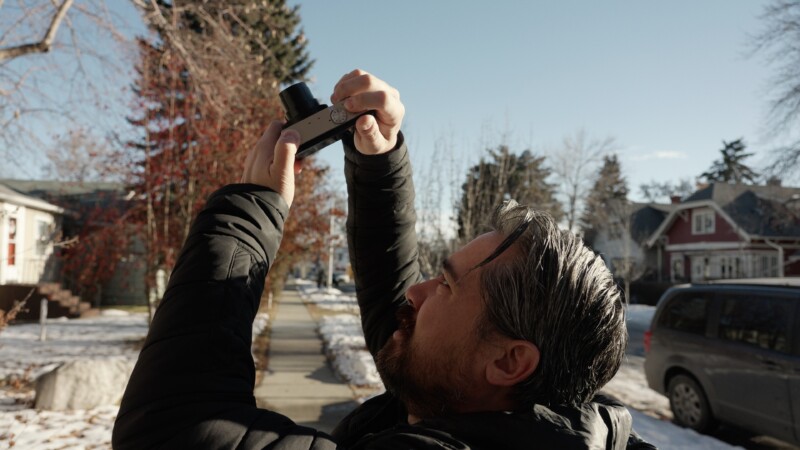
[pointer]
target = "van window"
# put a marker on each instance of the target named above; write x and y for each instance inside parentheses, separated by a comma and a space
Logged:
(686, 312)
(757, 320)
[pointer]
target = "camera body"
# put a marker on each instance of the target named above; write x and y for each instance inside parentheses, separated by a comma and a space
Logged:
(319, 125)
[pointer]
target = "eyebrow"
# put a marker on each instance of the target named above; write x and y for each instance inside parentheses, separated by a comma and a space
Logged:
(447, 267)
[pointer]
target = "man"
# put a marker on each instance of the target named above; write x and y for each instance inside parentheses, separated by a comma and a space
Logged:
(506, 348)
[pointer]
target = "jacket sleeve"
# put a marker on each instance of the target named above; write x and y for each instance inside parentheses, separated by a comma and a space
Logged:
(192, 386)
(381, 236)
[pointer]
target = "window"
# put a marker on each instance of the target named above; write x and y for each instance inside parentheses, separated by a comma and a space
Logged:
(686, 312)
(730, 267)
(756, 320)
(12, 241)
(703, 221)
(678, 272)
(42, 237)
(767, 266)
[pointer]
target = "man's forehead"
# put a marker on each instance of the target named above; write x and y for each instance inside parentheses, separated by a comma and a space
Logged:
(462, 262)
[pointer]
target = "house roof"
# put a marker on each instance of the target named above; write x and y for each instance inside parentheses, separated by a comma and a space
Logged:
(754, 211)
(10, 195)
(725, 193)
(70, 194)
(61, 188)
(646, 218)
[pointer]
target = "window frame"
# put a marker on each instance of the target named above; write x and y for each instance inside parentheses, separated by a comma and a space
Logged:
(691, 295)
(709, 221)
(793, 334)
(42, 242)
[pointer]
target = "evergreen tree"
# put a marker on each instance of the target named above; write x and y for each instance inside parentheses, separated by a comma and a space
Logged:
(275, 29)
(269, 30)
(609, 189)
(731, 168)
(502, 176)
(608, 215)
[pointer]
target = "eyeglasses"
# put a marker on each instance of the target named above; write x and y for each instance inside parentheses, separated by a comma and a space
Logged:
(509, 240)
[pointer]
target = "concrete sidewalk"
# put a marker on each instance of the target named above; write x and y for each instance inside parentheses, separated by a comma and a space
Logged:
(299, 382)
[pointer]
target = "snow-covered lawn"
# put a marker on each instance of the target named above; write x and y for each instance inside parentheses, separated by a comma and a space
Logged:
(114, 334)
(344, 342)
(23, 357)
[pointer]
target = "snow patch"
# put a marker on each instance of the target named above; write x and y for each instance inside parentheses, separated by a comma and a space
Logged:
(344, 342)
(329, 299)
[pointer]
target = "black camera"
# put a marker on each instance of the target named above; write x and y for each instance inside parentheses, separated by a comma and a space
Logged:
(319, 125)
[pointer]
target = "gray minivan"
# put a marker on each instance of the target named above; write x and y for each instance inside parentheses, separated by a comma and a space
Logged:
(730, 352)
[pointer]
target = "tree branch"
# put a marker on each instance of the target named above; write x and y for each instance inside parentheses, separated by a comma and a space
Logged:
(42, 46)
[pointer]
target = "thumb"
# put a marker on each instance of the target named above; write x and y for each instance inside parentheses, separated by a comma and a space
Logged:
(282, 169)
(372, 141)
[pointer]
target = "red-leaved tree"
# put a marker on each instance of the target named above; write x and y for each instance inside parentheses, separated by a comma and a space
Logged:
(193, 142)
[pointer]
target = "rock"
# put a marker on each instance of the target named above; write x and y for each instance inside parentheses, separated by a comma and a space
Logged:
(83, 384)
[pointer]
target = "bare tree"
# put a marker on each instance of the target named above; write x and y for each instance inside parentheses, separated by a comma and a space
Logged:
(42, 46)
(572, 165)
(778, 42)
(436, 186)
(57, 61)
(657, 191)
(79, 156)
(626, 261)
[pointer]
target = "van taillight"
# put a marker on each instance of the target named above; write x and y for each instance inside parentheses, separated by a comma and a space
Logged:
(648, 335)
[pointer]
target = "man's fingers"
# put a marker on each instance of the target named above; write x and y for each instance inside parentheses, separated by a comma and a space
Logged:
(265, 147)
(248, 165)
(364, 82)
(368, 133)
(257, 158)
(335, 97)
(389, 110)
(285, 152)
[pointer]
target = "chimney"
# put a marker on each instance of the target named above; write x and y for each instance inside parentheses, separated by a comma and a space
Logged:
(674, 199)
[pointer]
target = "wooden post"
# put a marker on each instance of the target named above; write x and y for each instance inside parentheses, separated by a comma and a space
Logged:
(43, 320)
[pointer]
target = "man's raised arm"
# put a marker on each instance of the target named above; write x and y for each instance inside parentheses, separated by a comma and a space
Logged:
(192, 386)
(381, 218)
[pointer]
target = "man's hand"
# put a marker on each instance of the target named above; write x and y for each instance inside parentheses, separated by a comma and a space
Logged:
(271, 162)
(373, 134)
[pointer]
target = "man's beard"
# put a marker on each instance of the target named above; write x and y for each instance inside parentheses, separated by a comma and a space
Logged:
(428, 387)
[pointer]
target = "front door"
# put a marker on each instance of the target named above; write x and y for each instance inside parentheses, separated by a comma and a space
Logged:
(699, 268)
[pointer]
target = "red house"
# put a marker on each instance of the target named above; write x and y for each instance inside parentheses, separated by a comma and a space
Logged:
(730, 231)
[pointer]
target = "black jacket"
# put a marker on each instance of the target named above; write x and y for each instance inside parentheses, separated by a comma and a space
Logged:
(192, 386)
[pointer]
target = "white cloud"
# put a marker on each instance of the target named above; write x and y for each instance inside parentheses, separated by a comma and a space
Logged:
(663, 154)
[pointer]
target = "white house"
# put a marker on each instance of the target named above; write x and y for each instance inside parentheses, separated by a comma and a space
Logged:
(27, 229)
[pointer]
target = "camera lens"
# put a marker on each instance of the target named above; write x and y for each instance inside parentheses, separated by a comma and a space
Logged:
(298, 102)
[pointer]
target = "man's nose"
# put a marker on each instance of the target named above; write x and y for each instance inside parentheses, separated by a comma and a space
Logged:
(417, 294)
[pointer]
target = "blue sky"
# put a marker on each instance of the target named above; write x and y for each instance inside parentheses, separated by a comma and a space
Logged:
(668, 80)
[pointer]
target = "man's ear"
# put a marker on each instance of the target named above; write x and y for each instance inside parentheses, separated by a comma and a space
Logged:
(516, 363)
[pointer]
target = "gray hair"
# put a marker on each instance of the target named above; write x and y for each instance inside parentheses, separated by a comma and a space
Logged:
(559, 295)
